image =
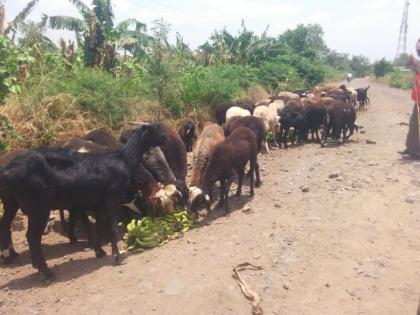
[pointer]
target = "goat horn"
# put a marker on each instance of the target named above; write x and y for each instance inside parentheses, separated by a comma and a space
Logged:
(137, 123)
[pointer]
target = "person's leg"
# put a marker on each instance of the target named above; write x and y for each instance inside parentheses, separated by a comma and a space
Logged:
(413, 139)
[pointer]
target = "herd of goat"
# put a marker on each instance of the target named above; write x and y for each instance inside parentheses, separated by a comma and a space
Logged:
(147, 167)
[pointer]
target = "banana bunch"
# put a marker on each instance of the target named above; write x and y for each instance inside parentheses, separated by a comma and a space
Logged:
(151, 232)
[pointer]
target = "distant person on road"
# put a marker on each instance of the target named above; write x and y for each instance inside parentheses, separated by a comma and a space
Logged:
(349, 76)
(413, 137)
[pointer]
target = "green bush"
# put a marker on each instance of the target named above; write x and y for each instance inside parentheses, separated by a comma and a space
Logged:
(277, 76)
(12, 61)
(401, 80)
(215, 84)
(96, 92)
(382, 68)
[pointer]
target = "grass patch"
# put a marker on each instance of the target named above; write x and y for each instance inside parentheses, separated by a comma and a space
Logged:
(401, 80)
(398, 79)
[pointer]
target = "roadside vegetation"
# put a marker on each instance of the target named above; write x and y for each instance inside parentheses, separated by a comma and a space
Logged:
(114, 73)
(397, 77)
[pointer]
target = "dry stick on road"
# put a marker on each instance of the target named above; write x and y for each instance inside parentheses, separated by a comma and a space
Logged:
(246, 290)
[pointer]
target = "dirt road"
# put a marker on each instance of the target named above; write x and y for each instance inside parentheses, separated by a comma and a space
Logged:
(350, 245)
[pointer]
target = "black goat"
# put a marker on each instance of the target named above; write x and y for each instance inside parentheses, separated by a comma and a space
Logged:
(292, 119)
(314, 118)
(42, 180)
(362, 97)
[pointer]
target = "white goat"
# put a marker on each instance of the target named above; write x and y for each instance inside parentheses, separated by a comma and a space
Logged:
(289, 95)
(270, 118)
(236, 111)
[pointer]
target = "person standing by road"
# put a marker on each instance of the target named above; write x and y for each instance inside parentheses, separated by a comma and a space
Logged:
(413, 137)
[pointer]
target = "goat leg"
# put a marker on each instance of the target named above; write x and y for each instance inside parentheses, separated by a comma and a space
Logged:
(63, 223)
(220, 204)
(112, 228)
(99, 252)
(8, 254)
(294, 136)
(285, 135)
(258, 181)
(86, 226)
(226, 192)
(37, 220)
(251, 178)
(71, 226)
(240, 181)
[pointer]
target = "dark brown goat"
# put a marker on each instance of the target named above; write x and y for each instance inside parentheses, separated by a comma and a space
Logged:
(254, 123)
(175, 154)
(187, 132)
(102, 137)
(339, 118)
(229, 158)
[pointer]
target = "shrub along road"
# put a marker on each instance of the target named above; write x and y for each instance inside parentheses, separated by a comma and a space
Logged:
(336, 231)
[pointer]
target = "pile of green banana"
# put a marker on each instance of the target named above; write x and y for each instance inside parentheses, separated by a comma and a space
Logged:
(151, 232)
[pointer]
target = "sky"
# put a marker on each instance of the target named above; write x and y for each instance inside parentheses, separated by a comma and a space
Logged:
(359, 27)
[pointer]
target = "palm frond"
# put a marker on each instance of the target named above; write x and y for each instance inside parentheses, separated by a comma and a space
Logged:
(84, 10)
(126, 24)
(49, 43)
(21, 16)
(66, 23)
(104, 14)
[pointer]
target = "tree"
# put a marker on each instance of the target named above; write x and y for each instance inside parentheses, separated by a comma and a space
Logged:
(306, 40)
(382, 68)
(17, 21)
(360, 65)
(246, 48)
(156, 63)
(33, 35)
(96, 33)
(2, 17)
(338, 61)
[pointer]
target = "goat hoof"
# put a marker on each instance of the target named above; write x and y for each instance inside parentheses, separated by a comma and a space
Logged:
(10, 259)
(117, 259)
(49, 275)
(252, 193)
(100, 253)
(258, 184)
(73, 241)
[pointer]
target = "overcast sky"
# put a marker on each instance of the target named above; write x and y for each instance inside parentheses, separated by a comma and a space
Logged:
(368, 27)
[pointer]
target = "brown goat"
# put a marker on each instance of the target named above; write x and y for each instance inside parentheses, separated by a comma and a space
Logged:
(229, 158)
(102, 137)
(211, 135)
(255, 124)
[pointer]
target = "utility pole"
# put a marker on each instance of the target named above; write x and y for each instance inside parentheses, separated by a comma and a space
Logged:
(402, 40)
